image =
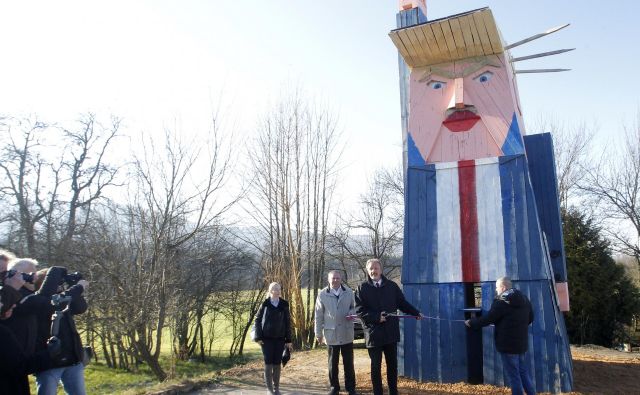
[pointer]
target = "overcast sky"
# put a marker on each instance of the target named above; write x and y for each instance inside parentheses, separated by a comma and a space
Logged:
(158, 63)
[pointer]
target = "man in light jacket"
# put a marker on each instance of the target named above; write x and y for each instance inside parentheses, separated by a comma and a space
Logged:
(335, 309)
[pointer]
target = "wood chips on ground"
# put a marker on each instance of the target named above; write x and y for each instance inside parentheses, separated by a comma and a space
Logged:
(596, 370)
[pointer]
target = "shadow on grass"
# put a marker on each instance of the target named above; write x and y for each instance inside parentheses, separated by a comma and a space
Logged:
(600, 377)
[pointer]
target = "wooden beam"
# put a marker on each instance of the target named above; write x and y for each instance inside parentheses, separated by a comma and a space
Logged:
(537, 36)
(542, 54)
(397, 41)
(482, 32)
(540, 71)
(492, 31)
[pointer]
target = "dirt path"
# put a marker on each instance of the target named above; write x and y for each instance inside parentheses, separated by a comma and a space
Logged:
(597, 370)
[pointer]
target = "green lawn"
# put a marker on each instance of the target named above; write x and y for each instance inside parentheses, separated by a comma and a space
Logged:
(102, 380)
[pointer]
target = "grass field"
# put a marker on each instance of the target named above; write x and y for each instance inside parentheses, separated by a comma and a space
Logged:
(102, 380)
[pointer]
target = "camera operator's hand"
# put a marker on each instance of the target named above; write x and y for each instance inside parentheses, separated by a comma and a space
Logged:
(84, 283)
(54, 347)
(16, 281)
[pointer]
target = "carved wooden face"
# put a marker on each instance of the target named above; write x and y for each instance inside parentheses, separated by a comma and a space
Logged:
(467, 109)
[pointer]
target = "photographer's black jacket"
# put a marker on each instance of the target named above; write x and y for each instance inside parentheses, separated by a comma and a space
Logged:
(72, 351)
(371, 302)
(24, 320)
(273, 322)
(15, 365)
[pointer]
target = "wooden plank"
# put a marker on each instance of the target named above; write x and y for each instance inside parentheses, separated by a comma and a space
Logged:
(537, 36)
(410, 352)
(541, 55)
(421, 227)
(450, 40)
(538, 328)
(492, 31)
(423, 54)
(491, 364)
(509, 217)
(456, 29)
(537, 258)
(459, 358)
(434, 337)
(542, 172)
(553, 342)
(477, 40)
(399, 43)
(411, 225)
(490, 221)
(469, 43)
(425, 329)
(430, 230)
(436, 51)
(417, 298)
(445, 334)
(429, 47)
(444, 54)
(449, 259)
(411, 50)
(482, 33)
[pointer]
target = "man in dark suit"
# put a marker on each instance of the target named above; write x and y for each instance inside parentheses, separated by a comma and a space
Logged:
(511, 313)
(377, 300)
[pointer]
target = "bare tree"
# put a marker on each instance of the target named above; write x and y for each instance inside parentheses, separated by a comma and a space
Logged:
(571, 146)
(294, 163)
(613, 185)
(375, 230)
(87, 171)
(177, 198)
(30, 181)
(40, 164)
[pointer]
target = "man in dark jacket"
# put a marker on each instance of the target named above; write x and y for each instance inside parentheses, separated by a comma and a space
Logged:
(68, 366)
(377, 301)
(15, 365)
(511, 313)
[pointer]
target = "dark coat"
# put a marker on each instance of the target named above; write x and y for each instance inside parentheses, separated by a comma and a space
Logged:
(273, 322)
(371, 302)
(511, 313)
(72, 350)
(24, 320)
(15, 365)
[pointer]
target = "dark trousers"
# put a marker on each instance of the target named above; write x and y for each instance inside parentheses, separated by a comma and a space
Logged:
(347, 362)
(391, 357)
(272, 351)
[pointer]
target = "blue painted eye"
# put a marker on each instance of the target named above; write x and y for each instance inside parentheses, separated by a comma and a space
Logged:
(484, 77)
(436, 84)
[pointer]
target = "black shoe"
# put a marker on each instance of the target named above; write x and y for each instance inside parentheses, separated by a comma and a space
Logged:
(333, 392)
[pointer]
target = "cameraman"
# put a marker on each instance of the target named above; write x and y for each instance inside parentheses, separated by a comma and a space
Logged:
(15, 365)
(24, 322)
(68, 367)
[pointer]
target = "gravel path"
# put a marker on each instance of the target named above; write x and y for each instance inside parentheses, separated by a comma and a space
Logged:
(597, 370)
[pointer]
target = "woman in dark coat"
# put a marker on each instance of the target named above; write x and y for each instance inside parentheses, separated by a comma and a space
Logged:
(15, 365)
(273, 332)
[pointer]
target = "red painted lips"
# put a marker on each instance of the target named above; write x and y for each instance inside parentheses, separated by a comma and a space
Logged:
(461, 121)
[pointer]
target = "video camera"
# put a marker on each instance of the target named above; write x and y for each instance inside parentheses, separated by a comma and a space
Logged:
(72, 278)
(58, 299)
